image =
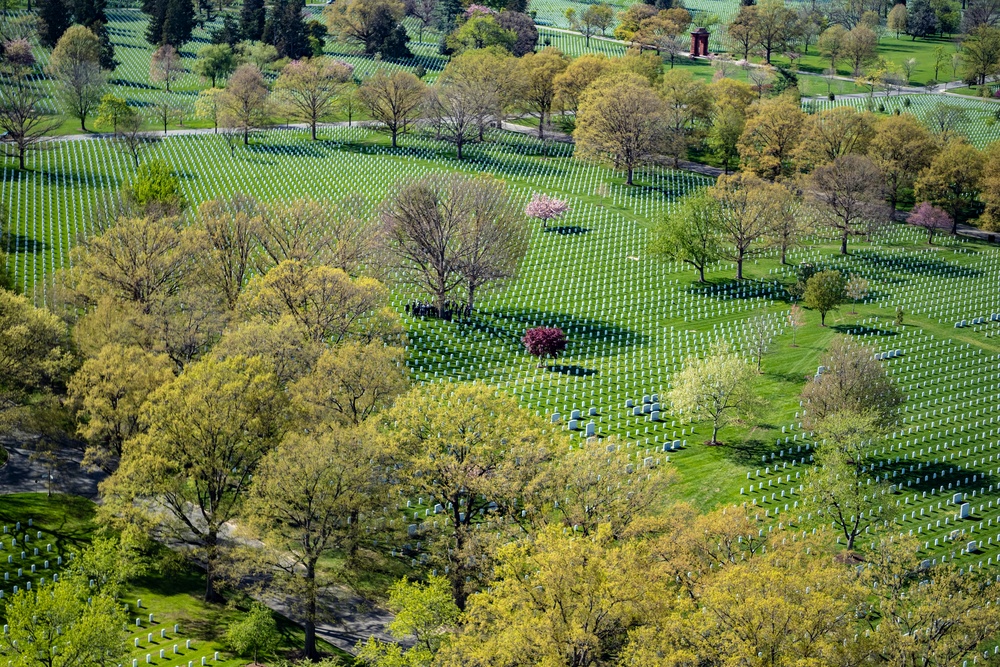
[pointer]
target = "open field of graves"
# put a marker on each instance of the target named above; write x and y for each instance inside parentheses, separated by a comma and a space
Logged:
(169, 625)
(631, 319)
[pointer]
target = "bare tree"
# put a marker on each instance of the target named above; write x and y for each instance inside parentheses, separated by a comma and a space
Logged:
(454, 110)
(243, 106)
(131, 138)
(166, 65)
(760, 335)
(310, 88)
(850, 194)
(392, 99)
(440, 230)
(22, 114)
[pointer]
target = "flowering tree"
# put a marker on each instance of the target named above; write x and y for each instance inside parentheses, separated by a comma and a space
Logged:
(931, 218)
(545, 208)
(544, 342)
(481, 10)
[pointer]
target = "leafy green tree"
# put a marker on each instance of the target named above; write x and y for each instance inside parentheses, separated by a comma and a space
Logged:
(286, 30)
(921, 21)
(155, 190)
(480, 32)
(691, 234)
(426, 613)
(824, 292)
(952, 180)
(310, 89)
(35, 356)
(56, 625)
(850, 500)
(215, 61)
(719, 388)
(111, 111)
(255, 634)
(472, 450)
(55, 19)
(981, 55)
(207, 431)
(253, 16)
(76, 65)
(855, 382)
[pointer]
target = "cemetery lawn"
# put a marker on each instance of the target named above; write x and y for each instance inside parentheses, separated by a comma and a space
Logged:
(171, 591)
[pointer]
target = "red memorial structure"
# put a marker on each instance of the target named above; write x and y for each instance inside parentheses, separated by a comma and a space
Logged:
(699, 42)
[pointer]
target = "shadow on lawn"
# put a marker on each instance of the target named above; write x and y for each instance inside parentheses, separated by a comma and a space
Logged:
(575, 371)
(857, 330)
(915, 265)
(566, 230)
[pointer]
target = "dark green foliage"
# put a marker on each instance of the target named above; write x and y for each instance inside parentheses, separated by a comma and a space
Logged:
(170, 21)
(921, 20)
(54, 17)
(229, 33)
(316, 35)
(783, 80)
(286, 31)
(395, 45)
(252, 19)
(524, 27)
(447, 13)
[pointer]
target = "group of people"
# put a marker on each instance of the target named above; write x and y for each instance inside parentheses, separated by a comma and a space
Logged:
(451, 309)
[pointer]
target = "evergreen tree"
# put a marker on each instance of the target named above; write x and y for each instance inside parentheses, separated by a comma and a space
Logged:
(179, 22)
(229, 33)
(54, 17)
(921, 20)
(108, 60)
(252, 18)
(448, 11)
(395, 46)
(156, 10)
(286, 31)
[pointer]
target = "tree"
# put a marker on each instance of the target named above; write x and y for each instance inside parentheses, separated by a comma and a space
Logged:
(310, 88)
(471, 449)
(921, 21)
(544, 342)
(897, 19)
(688, 106)
(75, 64)
(253, 15)
(796, 320)
(215, 62)
(538, 71)
(166, 65)
(60, 624)
(901, 148)
(54, 18)
(770, 136)
(860, 48)
(286, 30)
(691, 234)
(327, 303)
(489, 85)
(480, 32)
(255, 634)
(831, 44)
(427, 224)
(831, 133)
(426, 11)
(228, 242)
(990, 195)
(629, 20)
(855, 382)
(842, 485)
(207, 431)
(368, 22)
(35, 356)
(760, 334)
(849, 194)
(163, 111)
(743, 30)
(260, 54)
(154, 191)
(981, 54)
(207, 105)
(305, 502)
(455, 111)
(24, 120)
(545, 208)
(855, 289)
(243, 105)
(622, 122)
(775, 26)
(952, 179)
(747, 207)
(425, 612)
(824, 292)
(576, 596)
(719, 388)
(724, 134)
(931, 218)
(170, 21)
(108, 392)
(392, 99)
(349, 384)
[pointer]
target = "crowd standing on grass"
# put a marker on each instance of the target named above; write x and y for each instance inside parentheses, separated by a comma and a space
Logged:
(235, 367)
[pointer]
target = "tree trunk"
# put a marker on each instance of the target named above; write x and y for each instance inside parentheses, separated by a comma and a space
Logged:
(739, 268)
(20, 158)
(715, 434)
(628, 178)
(211, 545)
(701, 273)
(310, 620)
(541, 125)
(472, 295)
(246, 136)
(458, 147)
(394, 137)
(843, 243)
(314, 129)
(822, 318)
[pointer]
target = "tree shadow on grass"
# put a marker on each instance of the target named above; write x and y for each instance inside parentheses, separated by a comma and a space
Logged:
(728, 289)
(600, 336)
(858, 330)
(748, 452)
(18, 243)
(915, 265)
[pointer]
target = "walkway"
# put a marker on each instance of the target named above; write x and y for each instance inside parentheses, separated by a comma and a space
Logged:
(24, 474)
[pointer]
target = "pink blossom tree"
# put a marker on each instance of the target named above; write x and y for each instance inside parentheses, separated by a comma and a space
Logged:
(545, 208)
(931, 218)
(482, 10)
(544, 342)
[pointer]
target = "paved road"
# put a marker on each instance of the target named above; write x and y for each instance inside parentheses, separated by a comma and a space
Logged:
(24, 475)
